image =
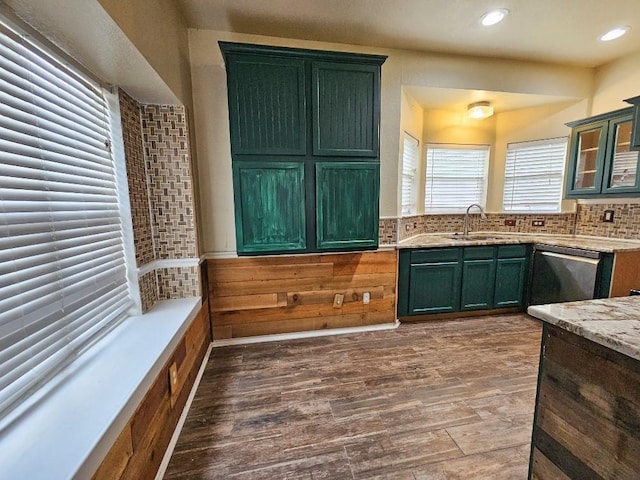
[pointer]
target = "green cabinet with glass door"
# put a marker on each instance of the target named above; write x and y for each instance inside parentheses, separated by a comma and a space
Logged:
(602, 162)
(311, 119)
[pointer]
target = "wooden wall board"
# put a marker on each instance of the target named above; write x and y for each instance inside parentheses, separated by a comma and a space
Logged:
(280, 294)
(588, 413)
(139, 449)
(626, 273)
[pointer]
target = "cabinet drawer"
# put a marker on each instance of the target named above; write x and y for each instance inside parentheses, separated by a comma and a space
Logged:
(478, 253)
(512, 251)
(435, 255)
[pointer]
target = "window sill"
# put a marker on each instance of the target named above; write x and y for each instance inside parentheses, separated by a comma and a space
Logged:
(66, 431)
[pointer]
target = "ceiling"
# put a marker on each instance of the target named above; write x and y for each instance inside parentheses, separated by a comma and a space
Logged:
(557, 31)
(458, 99)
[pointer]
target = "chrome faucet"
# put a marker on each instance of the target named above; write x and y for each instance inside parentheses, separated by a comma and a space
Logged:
(465, 230)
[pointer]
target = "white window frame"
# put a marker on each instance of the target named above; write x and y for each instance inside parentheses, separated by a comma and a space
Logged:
(409, 188)
(534, 176)
(447, 189)
(48, 139)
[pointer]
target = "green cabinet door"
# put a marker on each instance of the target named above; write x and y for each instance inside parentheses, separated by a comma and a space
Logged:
(477, 284)
(267, 110)
(347, 205)
(511, 279)
(621, 172)
(434, 288)
(270, 206)
(346, 106)
(586, 159)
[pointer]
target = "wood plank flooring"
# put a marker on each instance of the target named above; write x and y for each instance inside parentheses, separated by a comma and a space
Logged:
(438, 400)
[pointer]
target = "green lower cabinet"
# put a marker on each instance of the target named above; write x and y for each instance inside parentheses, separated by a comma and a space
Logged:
(347, 198)
(270, 206)
(434, 288)
(477, 284)
(443, 280)
(511, 280)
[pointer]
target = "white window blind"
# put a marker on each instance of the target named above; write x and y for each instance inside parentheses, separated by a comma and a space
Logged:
(456, 177)
(409, 175)
(534, 175)
(62, 265)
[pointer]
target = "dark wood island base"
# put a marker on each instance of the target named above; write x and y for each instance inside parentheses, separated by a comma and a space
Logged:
(587, 417)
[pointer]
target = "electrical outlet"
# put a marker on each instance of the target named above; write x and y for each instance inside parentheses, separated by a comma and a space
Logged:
(608, 216)
(537, 223)
(173, 378)
(338, 300)
(366, 298)
(510, 222)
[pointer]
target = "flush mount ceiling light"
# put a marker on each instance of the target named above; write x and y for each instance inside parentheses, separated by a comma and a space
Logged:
(494, 16)
(479, 110)
(614, 33)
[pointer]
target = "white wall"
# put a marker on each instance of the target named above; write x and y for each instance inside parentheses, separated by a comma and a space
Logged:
(158, 30)
(614, 82)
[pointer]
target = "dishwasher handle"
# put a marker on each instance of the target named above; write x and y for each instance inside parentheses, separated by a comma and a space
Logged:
(573, 258)
(576, 252)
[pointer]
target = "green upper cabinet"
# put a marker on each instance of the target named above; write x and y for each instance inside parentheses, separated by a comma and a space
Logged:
(270, 204)
(346, 107)
(601, 160)
(304, 148)
(267, 113)
(635, 133)
(621, 171)
(343, 220)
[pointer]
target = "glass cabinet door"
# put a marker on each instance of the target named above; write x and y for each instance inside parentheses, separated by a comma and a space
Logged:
(588, 160)
(622, 169)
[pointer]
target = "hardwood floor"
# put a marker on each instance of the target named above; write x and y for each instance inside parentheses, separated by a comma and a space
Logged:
(429, 401)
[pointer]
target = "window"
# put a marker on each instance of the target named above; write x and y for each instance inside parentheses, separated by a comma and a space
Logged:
(456, 177)
(409, 175)
(534, 175)
(62, 261)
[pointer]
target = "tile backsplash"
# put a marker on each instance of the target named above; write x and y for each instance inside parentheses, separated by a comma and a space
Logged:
(523, 223)
(588, 220)
(626, 220)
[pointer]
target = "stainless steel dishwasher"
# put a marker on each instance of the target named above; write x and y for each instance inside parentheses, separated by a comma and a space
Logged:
(563, 274)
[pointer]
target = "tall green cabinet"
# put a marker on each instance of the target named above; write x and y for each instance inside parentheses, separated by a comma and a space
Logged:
(305, 148)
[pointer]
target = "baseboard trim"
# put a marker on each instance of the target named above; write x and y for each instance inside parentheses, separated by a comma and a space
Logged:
(183, 417)
(277, 337)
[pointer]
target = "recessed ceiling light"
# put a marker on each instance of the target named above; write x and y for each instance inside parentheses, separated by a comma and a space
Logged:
(614, 33)
(494, 16)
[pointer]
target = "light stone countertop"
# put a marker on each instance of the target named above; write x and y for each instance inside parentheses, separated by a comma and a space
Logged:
(600, 244)
(610, 322)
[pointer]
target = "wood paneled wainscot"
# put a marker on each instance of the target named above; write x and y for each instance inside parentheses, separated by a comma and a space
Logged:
(139, 449)
(587, 419)
(279, 294)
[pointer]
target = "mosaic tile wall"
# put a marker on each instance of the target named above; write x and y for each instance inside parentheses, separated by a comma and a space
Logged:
(388, 231)
(178, 282)
(157, 151)
(554, 223)
(148, 290)
(137, 179)
(626, 220)
(166, 145)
